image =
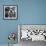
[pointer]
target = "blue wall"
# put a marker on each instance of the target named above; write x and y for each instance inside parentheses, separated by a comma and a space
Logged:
(29, 12)
(33, 12)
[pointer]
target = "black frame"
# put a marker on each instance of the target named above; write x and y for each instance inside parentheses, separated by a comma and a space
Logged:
(16, 12)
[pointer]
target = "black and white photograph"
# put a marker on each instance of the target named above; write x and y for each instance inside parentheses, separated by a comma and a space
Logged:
(10, 11)
(32, 34)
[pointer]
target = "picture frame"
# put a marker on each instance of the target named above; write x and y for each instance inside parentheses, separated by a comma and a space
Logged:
(33, 30)
(10, 12)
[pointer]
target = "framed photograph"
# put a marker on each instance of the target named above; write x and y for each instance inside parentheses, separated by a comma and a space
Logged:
(10, 11)
(33, 32)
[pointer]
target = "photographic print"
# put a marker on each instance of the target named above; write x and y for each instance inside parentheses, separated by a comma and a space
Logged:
(32, 32)
(10, 12)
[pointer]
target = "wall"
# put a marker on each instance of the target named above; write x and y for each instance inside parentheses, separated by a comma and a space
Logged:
(7, 26)
(33, 12)
(29, 12)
